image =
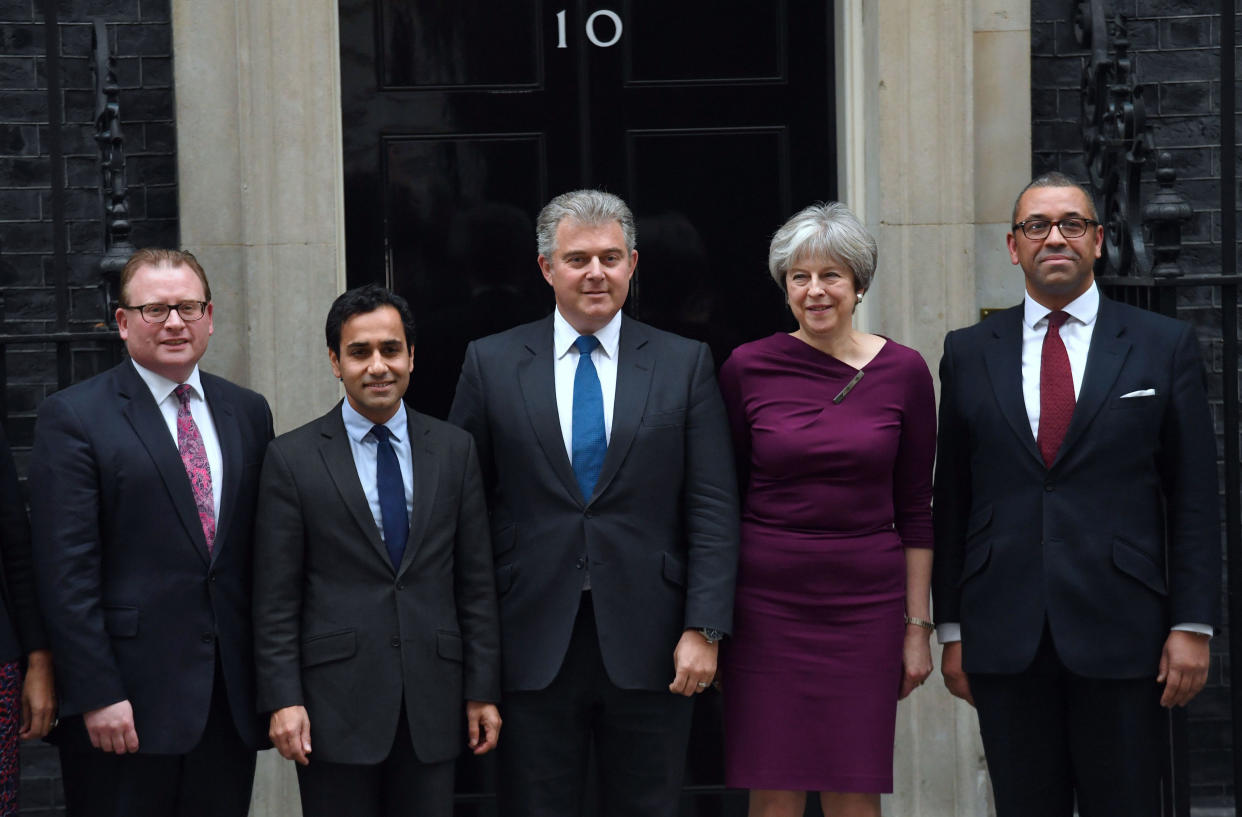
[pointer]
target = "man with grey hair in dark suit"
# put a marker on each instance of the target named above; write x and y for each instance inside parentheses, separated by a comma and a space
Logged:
(609, 475)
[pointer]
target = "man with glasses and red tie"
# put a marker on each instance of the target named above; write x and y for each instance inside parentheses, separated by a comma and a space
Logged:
(1077, 574)
(143, 485)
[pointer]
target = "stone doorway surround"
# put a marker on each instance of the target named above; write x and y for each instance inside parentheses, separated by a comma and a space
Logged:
(934, 142)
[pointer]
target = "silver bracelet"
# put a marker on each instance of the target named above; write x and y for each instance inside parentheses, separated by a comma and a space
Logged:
(920, 622)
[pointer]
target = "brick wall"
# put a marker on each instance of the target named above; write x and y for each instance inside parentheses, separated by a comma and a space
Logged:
(142, 33)
(1176, 47)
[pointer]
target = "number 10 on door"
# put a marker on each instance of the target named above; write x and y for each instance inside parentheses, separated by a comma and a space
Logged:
(590, 28)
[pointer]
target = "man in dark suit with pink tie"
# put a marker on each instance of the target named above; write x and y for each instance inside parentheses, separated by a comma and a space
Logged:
(1077, 573)
(143, 482)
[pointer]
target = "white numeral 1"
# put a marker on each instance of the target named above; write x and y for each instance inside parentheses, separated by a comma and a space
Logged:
(560, 29)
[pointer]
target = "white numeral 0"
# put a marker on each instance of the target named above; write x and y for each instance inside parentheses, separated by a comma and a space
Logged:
(590, 28)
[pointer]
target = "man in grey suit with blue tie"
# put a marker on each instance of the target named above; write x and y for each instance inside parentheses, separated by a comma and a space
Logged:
(609, 476)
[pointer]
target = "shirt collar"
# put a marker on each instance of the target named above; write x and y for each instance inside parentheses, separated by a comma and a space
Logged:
(1083, 309)
(564, 335)
(358, 427)
(161, 386)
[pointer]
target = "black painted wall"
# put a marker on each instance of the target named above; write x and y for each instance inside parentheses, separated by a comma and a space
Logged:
(142, 33)
(1176, 45)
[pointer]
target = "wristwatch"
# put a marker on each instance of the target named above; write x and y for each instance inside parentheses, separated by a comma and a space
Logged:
(711, 636)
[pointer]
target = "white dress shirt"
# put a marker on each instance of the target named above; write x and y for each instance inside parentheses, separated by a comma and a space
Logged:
(162, 390)
(566, 356)
(365, 448)
(1076, 334)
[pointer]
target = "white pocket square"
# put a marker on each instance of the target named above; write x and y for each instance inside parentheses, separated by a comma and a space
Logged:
(1139, 393)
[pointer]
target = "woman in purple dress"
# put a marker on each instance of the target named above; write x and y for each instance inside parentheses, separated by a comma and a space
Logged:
(835, 435)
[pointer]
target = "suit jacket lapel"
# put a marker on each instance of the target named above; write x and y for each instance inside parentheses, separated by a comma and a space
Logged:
(1104, 358)
(148, 423)
(1003, 358)
(229, 436)
(634, 371)
(338, 458)
(538, 383)
(426, 478)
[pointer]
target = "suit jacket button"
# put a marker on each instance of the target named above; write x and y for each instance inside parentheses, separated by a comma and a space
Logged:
(207, 638)
(396, 642)
(400, 585)
(1049, 487)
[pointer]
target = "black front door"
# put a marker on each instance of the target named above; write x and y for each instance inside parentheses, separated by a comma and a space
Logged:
(713, 119)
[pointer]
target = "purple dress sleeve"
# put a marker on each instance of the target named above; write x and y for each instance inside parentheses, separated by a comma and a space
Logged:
(912, 468)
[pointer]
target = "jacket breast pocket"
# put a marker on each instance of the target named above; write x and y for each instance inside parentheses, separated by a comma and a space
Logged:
(664, 419)
(326, 647)
(1138, 402)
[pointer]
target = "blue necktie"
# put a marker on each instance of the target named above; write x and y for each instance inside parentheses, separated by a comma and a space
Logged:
(587, 437)
(391, 496)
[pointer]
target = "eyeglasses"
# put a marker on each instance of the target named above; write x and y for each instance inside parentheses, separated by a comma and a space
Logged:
(1038, 228)
(158, 313)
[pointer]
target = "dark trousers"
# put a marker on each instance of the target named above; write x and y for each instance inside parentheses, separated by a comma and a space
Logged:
(639, 739)
(399, 786)
(1052, 737)
(213, 779)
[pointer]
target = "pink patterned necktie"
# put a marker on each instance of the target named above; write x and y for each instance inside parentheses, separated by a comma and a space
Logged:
(1056, 390)
(194, 455)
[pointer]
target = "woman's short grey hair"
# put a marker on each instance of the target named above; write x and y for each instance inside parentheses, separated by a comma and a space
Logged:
(821, 231)
(590, 208)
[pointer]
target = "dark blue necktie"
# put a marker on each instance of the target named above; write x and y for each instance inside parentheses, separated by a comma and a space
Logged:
(391, 496)
(587, 437)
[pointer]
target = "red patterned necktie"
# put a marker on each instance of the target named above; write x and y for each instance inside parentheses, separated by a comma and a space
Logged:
(1056, 390)
(194, 455)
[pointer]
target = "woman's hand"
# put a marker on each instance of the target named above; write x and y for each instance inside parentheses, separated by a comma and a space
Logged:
(916, 660)
(38, 696)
